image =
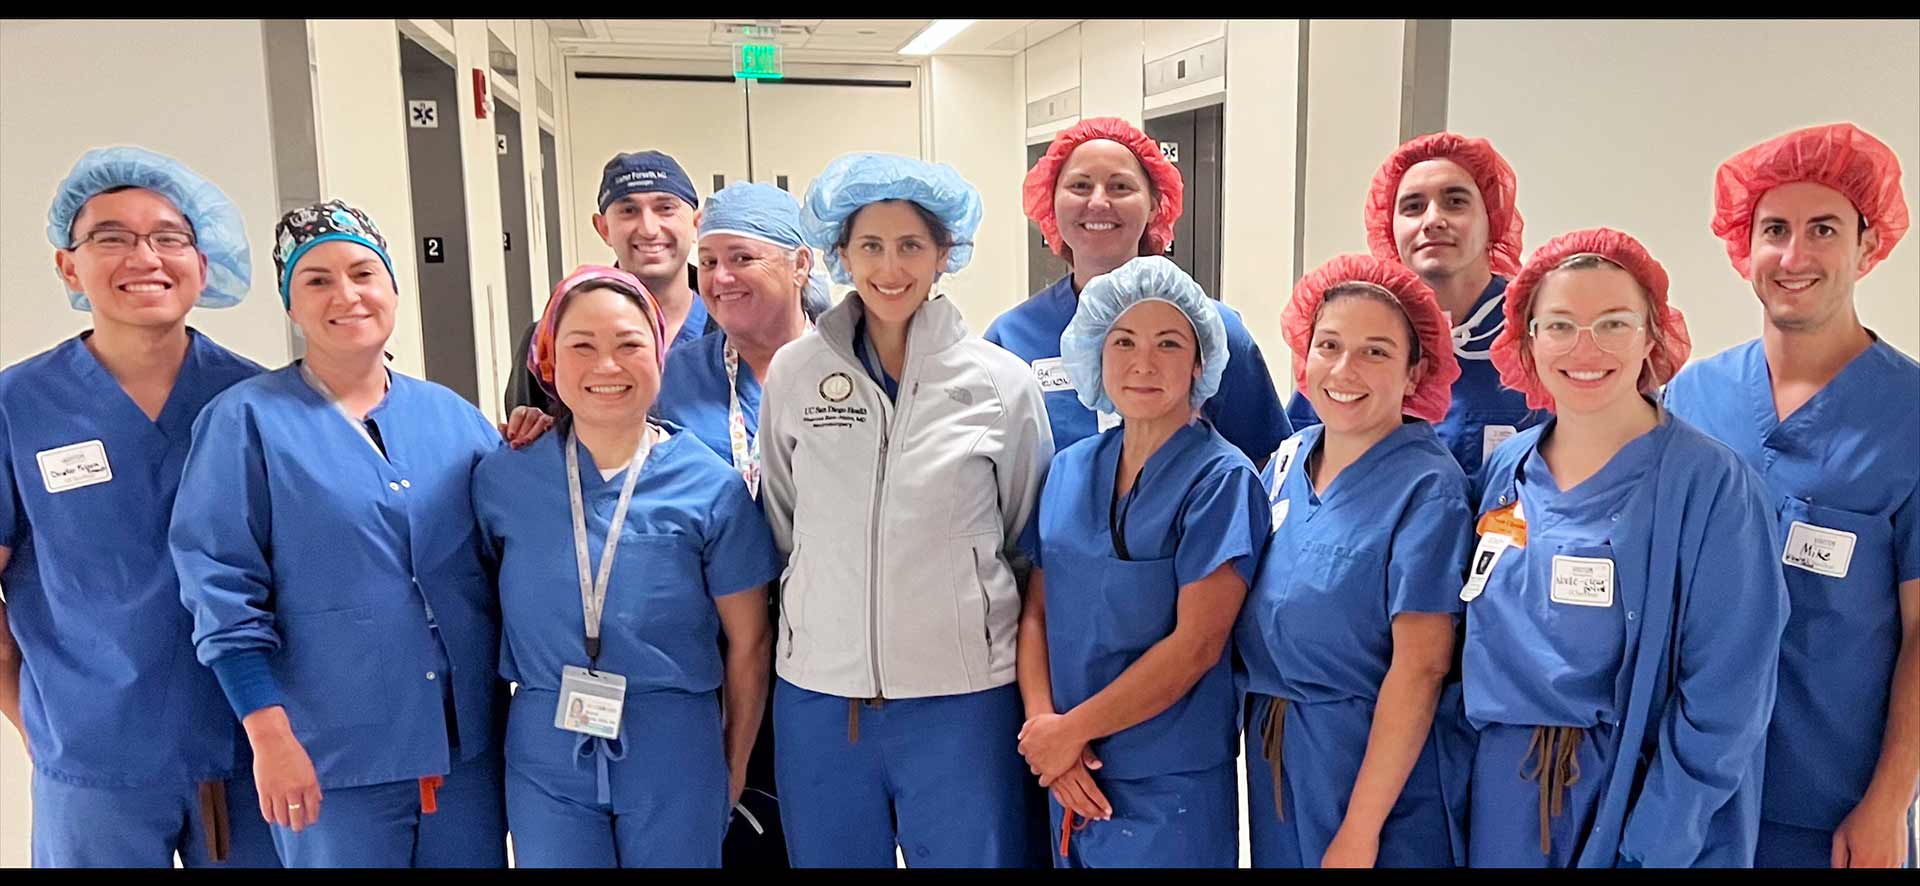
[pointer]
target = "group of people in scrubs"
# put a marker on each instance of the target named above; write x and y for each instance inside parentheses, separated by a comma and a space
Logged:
(1509, 583)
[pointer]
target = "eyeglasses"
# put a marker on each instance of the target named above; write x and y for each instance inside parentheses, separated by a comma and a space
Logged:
(1613, 332)
(114, 241)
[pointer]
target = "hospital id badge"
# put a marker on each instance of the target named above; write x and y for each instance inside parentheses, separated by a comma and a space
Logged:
(1819, 550)
(1485, 557)
(1051, 372)
(590, 702)
(1583, 581)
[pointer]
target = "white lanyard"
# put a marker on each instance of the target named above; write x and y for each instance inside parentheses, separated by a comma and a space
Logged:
(1463, 334)
(359, 425)
(593, 594)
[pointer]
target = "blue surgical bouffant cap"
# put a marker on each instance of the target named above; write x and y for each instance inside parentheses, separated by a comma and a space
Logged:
(854, 180)
(219, 232)
(1147, 278)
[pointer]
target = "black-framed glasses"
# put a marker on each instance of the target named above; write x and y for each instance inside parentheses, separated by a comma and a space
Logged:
(117, 241)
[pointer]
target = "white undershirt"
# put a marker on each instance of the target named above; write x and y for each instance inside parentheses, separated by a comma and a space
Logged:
(612, 472)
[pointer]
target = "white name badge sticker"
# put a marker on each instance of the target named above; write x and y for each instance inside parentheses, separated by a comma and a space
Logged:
(1492, 436)
(1280, 512)
(71, 467)
(590, 702)
(1052, 374)
(1818, 549)
(1109, 421)
(1485, 557)
(1583, 581)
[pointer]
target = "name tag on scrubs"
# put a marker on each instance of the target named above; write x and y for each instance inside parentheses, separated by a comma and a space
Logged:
(1108, 421)
(1052, 374)
(1583, 581)
(1819, 550)
(1283, 459)
(1280, 512)
(1492, 436)
(590, 702)
(71, 467)
(1485, 557)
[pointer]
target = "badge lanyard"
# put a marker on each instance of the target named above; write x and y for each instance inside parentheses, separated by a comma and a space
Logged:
(746, 456)
(593, 592)
(359, 425)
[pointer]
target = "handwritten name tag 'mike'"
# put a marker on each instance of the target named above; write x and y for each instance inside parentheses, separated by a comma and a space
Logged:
(71, 467)
(1820, 550)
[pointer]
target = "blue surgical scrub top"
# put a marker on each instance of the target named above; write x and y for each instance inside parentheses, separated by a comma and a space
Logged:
(109, 688)
(361, 576)
(1196, 506)
(1843, 462)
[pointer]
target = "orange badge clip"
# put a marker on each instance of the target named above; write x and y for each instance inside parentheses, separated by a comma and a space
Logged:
(429, 804)
(1506, 521)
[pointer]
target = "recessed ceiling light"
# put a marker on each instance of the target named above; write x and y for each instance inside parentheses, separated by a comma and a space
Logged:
(936, 35)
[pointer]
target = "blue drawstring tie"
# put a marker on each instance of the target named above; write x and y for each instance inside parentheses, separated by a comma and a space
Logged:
(603, 752)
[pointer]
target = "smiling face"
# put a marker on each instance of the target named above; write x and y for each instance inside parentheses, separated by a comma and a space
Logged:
(894, 258)
(751, 287)
(1807, 250)
(651, 232)
(605, 367)
(342, 298)
(1102, 203)
(1589, 378)
(138, 287)
(1149, 362)
(1360, 363)
(1440, 221)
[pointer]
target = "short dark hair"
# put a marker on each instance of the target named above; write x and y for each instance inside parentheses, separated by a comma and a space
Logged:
(1375, 293)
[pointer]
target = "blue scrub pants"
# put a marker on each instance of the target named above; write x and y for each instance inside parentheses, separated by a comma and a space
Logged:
(654, 797)
(1786, 846)
(382, 825)
(1182, 819)
(1505, 817)
(76, 826)
(1322, 746)
(941, 777)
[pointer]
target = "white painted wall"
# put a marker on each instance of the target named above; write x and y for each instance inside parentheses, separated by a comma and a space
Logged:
(977, 123)
(60, 95)
(363, 146)
(1353, 123)
(1111, 78)
(1257, 193)
(1623, 123)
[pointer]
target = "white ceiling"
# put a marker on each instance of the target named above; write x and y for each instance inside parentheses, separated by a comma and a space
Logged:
(830, 38)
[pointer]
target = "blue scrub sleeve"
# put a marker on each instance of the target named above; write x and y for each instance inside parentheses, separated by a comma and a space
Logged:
(1734, 611)
(1906, 538)
(1300, 412)
(1247, 408)
(13, 523)
(220, 535)
(1427, 560)
(247, 682)
(739, 554)
(1225, 520)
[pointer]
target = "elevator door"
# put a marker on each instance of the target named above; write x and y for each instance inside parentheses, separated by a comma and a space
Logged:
(438, 189)
(1191, 139)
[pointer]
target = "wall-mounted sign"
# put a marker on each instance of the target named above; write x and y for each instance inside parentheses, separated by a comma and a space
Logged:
(500, 141)
(423, 113)
(1171, 151)
(757, 61)
(433, 250)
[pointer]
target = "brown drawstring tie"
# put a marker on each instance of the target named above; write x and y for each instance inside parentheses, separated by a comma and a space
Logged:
(1557, 769)
(853, 715)
(213, 817)
(1272, 731)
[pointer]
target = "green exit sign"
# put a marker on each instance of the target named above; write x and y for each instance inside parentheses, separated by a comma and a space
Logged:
(757, 61)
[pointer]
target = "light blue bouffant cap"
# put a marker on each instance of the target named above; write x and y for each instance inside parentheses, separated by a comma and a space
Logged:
(852, 181)
(219, 232)
(1106, 297)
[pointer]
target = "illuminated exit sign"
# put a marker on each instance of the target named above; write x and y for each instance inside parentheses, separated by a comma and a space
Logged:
(757, 61)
